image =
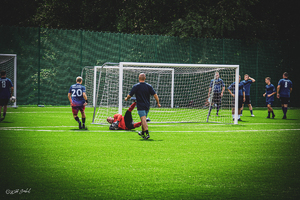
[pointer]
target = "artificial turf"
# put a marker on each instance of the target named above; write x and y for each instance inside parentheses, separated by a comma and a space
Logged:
(43, 155)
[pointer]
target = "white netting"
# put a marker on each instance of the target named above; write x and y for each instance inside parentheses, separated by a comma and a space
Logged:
(7, 63)
(190, 98)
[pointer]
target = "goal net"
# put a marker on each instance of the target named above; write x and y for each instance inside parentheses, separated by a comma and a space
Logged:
(8, 63)
(183, 91)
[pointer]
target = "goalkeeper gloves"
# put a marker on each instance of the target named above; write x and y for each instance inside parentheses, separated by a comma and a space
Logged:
(114, 126)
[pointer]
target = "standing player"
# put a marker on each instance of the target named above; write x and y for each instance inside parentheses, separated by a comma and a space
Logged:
(247, 84)
(231, 90)
(269, 94)
(118, 122)
(218, 83)
(78, 101)
(142, 91)
(6, 91)
(284, 90)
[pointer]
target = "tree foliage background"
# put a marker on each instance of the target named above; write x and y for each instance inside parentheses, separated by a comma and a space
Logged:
(236, 19)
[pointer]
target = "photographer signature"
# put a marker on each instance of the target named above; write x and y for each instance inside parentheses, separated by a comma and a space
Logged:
(18, 191)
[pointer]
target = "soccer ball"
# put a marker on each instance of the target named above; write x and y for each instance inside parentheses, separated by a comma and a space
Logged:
(12, 99)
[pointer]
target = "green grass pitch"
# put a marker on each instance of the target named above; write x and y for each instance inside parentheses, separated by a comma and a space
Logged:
(43, 155)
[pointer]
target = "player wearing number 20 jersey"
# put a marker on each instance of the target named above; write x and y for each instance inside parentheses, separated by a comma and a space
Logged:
(77, 91)
(78, 100)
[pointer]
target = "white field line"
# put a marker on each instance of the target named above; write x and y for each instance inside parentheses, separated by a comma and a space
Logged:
(46, 112)
(108, 131)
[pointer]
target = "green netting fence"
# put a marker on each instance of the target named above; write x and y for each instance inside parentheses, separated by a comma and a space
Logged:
(49, 60)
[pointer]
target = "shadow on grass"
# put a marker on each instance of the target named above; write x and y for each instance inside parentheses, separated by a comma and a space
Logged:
(149, 140)
(5, 122)
(79, 130)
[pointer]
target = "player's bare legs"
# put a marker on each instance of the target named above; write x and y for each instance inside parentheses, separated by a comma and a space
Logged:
(144, 124)
(270, 110)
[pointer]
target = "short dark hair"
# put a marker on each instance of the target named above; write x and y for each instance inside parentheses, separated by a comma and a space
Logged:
(268, 78)
(3, 73)
(286, 74)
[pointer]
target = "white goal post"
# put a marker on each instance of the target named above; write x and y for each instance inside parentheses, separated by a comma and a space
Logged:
(182, 90)
(8, 62)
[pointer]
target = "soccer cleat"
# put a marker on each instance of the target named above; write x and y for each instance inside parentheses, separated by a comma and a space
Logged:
(80, 127)
(141, 134)
(84, 127)
(268, 117)
(133, 99)
(284, 117)
(1, 119)
(252, 115)
(217, 115)
(148, 120)
(147, 136)
(273, 116)
(240, 120)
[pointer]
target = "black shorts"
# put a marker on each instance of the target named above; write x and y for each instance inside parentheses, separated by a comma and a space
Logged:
(247, 99)
(216, 98)
(285, 100)
(128, 120)
(4, 102)
(240, 104)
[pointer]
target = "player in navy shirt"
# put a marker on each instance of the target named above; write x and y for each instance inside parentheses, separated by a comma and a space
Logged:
(247, 84)
(78, 101)
(218, 91)
(284, 90)
(6, 90)
(142, 91)
(269, 94)
(231, 90)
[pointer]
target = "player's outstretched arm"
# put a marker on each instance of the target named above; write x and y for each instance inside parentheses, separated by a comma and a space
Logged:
(157, 100)
(128, 97)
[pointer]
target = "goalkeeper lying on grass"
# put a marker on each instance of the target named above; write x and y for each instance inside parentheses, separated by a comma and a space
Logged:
(119, 122)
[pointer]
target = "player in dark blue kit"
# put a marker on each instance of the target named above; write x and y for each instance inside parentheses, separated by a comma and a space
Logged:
(247, 84)
(218, 91)
(142, 91)
(269, 94)
(284, 90)
(6, 91)
(231, 90)
(78, 101)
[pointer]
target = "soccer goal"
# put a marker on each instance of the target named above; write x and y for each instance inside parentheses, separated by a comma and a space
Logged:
(182, 90)
(8, 62)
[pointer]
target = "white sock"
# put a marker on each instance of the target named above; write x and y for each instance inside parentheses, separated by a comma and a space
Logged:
(233, 116)
(239, 116)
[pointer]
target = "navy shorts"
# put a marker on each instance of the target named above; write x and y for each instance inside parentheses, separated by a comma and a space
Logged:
(269, 103)
(4, 102)
(247, 99)
(285, 100)
(240, 102)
